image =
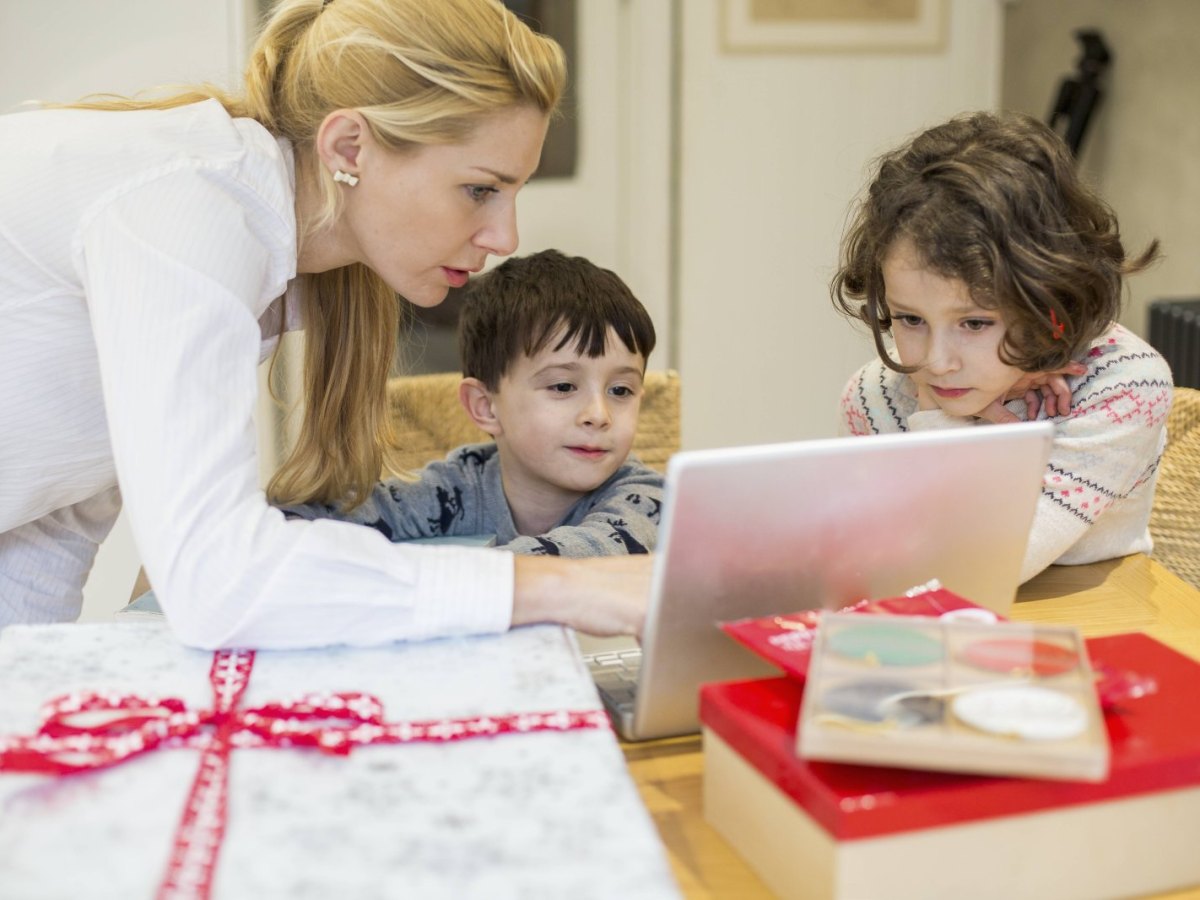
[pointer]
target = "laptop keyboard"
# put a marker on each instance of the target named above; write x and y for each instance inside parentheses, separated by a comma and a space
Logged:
(616, 675)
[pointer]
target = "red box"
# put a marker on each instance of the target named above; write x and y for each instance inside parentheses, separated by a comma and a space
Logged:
(813, 829)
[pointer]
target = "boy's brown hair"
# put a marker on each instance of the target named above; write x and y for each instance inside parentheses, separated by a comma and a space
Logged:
(521, 305)
(993, 200)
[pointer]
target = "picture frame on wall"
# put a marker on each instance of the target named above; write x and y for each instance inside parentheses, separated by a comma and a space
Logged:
(815, 26)
(557, 19)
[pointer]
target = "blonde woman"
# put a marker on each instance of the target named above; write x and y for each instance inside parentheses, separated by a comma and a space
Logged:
(151, 253)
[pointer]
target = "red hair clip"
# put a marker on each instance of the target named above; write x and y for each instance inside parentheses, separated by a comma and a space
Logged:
(1056, 327)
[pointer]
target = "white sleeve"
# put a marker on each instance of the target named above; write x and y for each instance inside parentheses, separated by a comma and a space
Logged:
(1102, 452)
(44, 563)
(174, 272)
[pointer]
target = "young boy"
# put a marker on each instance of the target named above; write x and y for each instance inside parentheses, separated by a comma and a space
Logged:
(553, 351)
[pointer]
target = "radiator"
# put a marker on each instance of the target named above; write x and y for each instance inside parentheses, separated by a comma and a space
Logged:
(1175, 333)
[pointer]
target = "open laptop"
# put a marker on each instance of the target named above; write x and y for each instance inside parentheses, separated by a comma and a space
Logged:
(778, 528)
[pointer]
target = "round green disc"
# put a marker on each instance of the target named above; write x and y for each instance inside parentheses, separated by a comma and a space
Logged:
(886, 645)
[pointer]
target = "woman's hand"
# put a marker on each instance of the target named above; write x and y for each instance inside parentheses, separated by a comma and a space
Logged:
(604, 596)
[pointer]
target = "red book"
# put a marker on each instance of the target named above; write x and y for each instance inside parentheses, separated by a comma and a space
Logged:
(832, 829)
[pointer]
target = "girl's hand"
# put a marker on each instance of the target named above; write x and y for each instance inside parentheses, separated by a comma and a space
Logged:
(925, 398)
(998, 414)
(994, 412)
(1048, 388)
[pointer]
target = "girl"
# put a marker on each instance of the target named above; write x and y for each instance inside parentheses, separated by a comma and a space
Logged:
(998, 276)
(151, 250)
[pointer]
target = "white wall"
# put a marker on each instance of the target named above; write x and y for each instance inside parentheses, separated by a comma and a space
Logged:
(774, 146)
(1142, 149)
(616, 209)
(61, 49)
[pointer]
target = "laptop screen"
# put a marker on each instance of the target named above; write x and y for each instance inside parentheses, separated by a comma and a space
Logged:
(750, 531)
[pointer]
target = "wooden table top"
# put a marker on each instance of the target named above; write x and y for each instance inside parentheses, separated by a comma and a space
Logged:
(1133, 593)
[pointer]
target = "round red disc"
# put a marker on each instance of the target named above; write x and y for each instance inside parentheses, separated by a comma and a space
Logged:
(1014, 655)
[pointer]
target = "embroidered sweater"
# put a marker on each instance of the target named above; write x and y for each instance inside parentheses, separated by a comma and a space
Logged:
(463, 495)
(1098, 486)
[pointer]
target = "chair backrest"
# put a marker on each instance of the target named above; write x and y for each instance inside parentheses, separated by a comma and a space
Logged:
(430, 422)
(1174, 520)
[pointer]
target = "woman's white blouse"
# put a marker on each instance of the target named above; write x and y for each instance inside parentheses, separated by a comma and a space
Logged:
(138, 252)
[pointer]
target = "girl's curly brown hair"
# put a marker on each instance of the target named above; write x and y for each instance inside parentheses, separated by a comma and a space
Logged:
(993, 199)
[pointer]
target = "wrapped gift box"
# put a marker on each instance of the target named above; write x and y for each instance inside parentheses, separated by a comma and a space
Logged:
(542, 814)
(813, 829)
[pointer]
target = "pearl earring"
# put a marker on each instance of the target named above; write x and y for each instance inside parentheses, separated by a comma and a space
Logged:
(345, 178)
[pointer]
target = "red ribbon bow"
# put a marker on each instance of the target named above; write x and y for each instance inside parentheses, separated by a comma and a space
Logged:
(94, 730)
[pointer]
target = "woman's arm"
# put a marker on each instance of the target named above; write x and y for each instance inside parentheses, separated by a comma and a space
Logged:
(603, 596)
(176, 272)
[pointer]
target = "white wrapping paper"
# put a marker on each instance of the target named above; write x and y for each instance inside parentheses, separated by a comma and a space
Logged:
(517, 816)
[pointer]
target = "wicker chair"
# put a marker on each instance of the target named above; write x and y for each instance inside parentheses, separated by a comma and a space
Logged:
(1175, 518)
(430, 422)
